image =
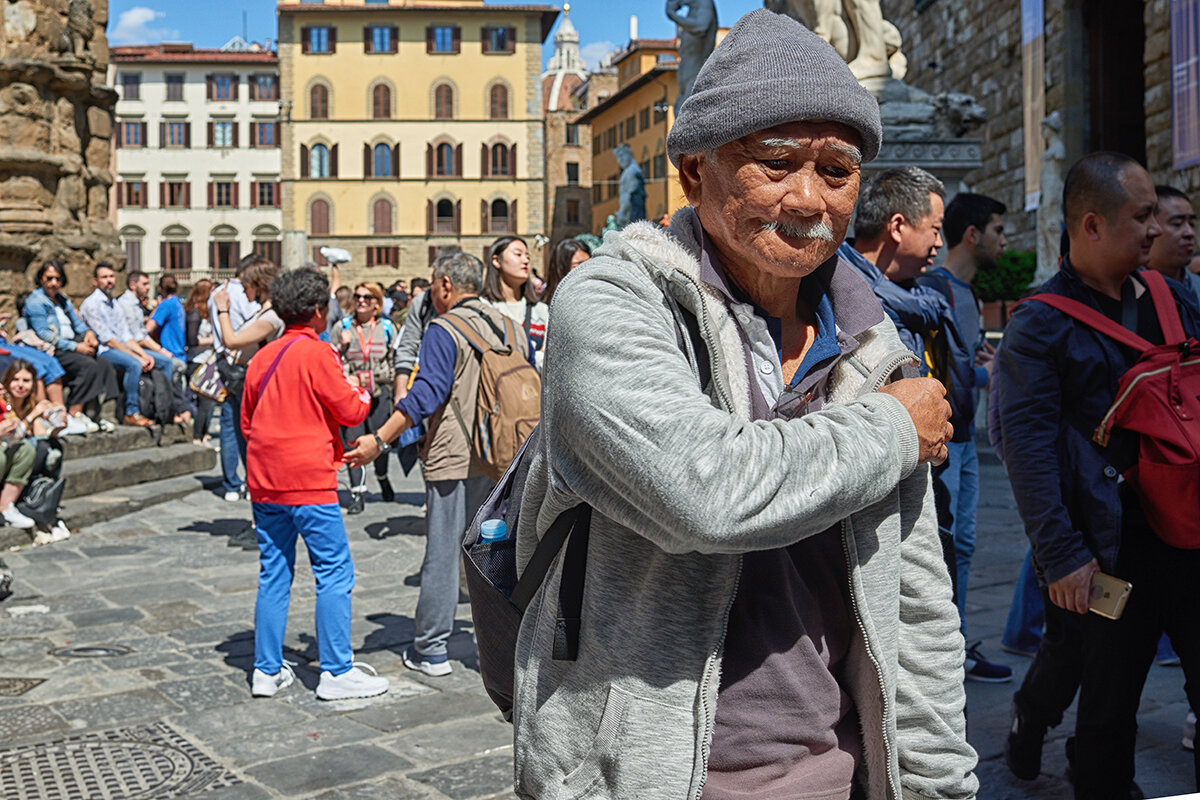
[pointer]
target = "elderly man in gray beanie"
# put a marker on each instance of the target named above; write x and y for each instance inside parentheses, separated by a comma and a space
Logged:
(763, 607)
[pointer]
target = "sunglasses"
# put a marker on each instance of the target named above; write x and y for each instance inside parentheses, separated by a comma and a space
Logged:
(364, 297)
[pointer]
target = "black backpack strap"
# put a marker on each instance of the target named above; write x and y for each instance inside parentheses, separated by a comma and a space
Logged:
(573, 524)
(528, 316)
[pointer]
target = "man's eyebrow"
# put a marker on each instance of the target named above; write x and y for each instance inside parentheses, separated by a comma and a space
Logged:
(792, 144)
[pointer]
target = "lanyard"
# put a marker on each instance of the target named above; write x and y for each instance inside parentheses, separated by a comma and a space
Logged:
(365, 343)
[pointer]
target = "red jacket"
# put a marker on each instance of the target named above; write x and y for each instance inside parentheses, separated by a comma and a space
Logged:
(293, 450)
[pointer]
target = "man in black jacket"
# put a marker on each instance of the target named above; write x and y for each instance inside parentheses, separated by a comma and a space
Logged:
(1057, 380)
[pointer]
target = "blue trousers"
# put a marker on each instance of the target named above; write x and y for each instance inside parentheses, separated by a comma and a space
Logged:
(130, 369)
(329, 553)
(1026, 614)
(961, 479)
(233, 442)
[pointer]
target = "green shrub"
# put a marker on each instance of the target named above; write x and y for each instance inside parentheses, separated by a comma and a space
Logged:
(1010, 278)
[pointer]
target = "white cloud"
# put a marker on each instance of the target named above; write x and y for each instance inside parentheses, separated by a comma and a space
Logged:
(595, 52)
(136, 26)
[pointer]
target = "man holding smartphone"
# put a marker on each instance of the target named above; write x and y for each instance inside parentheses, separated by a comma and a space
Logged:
(1058, 377)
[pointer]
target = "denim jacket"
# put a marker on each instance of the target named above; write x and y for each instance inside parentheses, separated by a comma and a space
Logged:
(39, 312)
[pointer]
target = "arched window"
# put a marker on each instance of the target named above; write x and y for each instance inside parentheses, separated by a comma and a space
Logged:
(381, 211)
(499, 217)
(445, 159)
(443, 102)
(318, 212)
(318, 161)
(383, 160)
(499, 101)
(318, 102)
(445, 217)
(499, 159)
(381, 102)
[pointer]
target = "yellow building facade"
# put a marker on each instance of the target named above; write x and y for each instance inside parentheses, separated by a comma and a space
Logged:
(407, 128)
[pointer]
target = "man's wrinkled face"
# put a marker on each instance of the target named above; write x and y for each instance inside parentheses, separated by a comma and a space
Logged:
(1129, 235)
(104, 280)
(917, 242)
(778, 200)
(991, 243)
(1173, 250)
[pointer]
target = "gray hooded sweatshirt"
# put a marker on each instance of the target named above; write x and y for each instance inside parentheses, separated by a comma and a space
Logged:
(681, 482)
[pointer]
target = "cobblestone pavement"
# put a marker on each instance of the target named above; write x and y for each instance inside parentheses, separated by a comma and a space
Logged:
(173, 716)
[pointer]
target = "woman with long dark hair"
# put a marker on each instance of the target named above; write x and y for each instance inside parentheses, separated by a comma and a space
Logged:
(507, 286)
(199, 337)
(568, 254)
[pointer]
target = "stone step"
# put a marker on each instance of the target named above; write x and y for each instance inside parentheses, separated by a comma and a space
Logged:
(123, 439)
(103, 506)
(115, 470)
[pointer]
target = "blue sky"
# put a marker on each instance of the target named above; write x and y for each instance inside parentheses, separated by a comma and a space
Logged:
(603, 25)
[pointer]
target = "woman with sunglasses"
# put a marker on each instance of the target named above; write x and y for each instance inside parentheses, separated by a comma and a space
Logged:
(367, 342)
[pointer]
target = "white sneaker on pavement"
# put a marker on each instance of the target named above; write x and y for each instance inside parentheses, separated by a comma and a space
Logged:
(59, 532)
(16, 519)
(264, 685)
(105, 425)
(351, 683)
(434, 669)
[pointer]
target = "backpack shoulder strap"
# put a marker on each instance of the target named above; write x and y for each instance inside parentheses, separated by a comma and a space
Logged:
(1093, 319)
(1164, 306)
(465, 330)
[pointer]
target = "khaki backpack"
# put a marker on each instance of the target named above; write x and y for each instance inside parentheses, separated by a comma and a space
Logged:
(508, 403)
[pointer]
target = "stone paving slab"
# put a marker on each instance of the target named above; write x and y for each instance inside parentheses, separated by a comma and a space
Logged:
(326, 768)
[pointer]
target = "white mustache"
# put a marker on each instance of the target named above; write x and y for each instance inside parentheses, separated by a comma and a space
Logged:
(815, 229)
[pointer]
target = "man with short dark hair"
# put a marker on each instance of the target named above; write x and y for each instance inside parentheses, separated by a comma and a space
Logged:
(1058, 378)
(132, 303)
(1172, 251)
(118, 344)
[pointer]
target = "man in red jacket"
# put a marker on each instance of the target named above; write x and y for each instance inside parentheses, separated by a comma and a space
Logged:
(294, 400)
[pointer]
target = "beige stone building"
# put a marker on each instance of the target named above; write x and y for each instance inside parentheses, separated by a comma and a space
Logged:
(410, 127)
(1107, 72)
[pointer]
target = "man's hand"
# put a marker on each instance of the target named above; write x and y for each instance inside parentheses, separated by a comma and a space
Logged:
(86, 347)
(221, 299)
(89, 338)
(925, 401)
(147, 362)
(986, 358)
(365, 451)
(1072, 592)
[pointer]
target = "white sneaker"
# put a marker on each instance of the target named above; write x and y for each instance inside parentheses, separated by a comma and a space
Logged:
(351, 683)
(59, 532)
(233, 497)
(108, 426)
(434, 669)
(76, 425)
(264, 685)
(16, 519)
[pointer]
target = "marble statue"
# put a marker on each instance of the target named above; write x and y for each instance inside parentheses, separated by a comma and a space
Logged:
(632, 187)
(874, 51)
(1049, 211)
(697, 32)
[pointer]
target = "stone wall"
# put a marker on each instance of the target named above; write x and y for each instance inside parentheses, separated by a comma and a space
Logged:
(1159, 154)
(56, 130)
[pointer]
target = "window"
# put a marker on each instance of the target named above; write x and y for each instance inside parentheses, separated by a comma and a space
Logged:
(133, 134)
(131, 194)
(499, 222)
(442, 39)
(443, 102)
(131, 86)
(382, 161)
(381, 215)
(318, 161)
(660, 166)
(272, 251)
(320, 260)
(222, 134)
(133, 254)
(264, 193)
(498, 98)
(319, 217)
(630, 127)
(222, 87)
(644, 166)
(447, 221)
(321, 39)
(572, 173)
(571, 133)
(381, 101)
(223, 255)
(499, 161)
(660, 112)
(383, 256)
(224, 194)
(380, 39)
(176, 194)
(572, 212)
(177, 255)
(174, 86)
(498, 40)
(644, 118)
(262, 134)
(176, 134)
(318, 102)
(264, 87)
(445, 160)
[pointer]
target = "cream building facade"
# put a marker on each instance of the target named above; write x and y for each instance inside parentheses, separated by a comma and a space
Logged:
(407, 128)
(197, 158)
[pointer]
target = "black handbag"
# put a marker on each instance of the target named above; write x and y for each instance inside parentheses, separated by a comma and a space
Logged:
(40, 499)
(233, 376)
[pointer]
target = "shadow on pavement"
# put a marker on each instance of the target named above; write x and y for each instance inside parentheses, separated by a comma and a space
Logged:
(397, 526)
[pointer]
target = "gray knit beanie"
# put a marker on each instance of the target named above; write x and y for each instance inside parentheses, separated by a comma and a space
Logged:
(770, 70)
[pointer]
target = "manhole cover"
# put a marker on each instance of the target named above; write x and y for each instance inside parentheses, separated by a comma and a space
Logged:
(91, 651)
(151, 761)
(15, 687)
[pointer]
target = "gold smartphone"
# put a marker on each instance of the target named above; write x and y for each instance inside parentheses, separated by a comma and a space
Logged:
(1109, 595)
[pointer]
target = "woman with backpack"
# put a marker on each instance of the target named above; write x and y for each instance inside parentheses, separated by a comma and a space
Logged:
(26, 421)
(509, 289)
(367, 343)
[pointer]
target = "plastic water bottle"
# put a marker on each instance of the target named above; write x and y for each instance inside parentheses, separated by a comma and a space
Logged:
(493, 530)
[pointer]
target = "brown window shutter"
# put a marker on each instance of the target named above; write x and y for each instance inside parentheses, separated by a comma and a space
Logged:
(304, 39)
(209, 87)
(458, 216)
(254, 134)
(395, 40)
(212, 194)
(510, 40)
(234, 194)
(332, 39)
(428, 161)
(187, 195)
(162, 255)
(456, 40)
(396, 161)
(485, 162)
(143, 136)
(512, 217)
(303, 161)
(187, 134)
(276, 195)
(233, 140)
(367, 39)
(209, 133)
(367, 161)
(254, 194)
(234, 80)
(483, 216)
(162, 195)
(187, 255)
(162, 134)
(512, 161)
(119, 138)
(212, 256)
(333, 161)
(251, 87)
(485, 43)
(234, 253)
(458, 161)
(120, 194)
(429, 39)
(429, 219)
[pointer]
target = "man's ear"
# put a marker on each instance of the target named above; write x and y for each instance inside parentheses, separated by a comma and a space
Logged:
(689, 177)
(972, 235)
(1093, 225)
(895, 227)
